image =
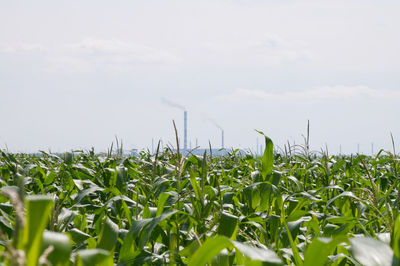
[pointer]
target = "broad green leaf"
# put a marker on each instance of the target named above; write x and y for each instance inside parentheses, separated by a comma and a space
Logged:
(65, 218)
(196, 188)
(227, 225)
(228, 197)
(295, 250)
(84, 193)
(77, 235)
(320, 248)
(340, 219)
(211, 248)
(371, 252)
(395, 238)
(267, 161)
(348, 194)
(50, 178)
(38, 210)
(61, 248)
(150, 227)
(142, 228)
(223, 258)
(296, 215)
(68, 157)
(162, 199)
(266, 256)
(108, 235)
(121, 177)
(127, 251)
(94, 257)
(296, 181)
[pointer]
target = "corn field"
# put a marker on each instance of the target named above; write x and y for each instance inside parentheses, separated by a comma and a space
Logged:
(291, 208)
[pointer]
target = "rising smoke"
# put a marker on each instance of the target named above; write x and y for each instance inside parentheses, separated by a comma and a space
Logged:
(172, 104)
(212, 121)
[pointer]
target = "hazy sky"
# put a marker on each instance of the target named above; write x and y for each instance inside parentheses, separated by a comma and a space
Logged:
(73, 74)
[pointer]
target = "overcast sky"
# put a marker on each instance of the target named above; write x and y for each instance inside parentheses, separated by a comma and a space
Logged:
(73, 74)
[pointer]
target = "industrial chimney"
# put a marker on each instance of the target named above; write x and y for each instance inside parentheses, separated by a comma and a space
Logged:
(185, 130)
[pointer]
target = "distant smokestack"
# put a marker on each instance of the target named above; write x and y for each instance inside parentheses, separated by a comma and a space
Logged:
(222, 138)
(176, 105)
(185, 130)
(218, 126)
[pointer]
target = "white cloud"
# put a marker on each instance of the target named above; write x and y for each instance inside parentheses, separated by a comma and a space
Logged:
(90, 54)
(266, 50)
(275, 41)
(320, 94)
(112, 54)
(6, 48)
(119, 52)
(276, 49)
(100, 46)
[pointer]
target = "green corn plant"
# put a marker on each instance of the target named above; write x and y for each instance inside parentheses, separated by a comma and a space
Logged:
(282, 208)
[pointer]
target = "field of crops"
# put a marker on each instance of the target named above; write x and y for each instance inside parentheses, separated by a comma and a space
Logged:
(295, 208)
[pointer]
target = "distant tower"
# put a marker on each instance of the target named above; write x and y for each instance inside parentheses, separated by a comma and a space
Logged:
(185, 130)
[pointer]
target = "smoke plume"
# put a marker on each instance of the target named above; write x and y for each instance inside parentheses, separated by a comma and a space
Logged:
(172, 104)
(212, 121)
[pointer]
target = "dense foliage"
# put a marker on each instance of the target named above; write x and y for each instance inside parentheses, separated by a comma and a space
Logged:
(299, 208)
